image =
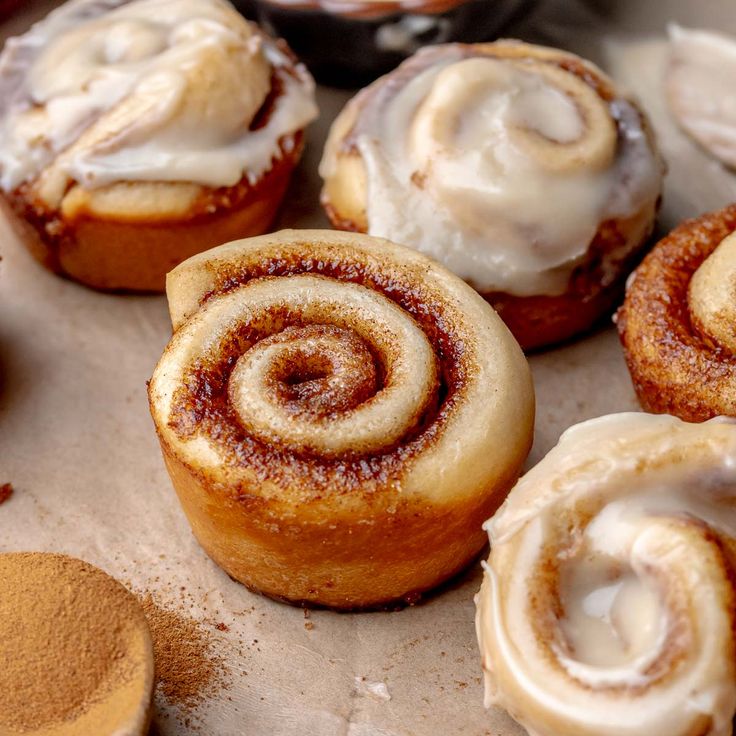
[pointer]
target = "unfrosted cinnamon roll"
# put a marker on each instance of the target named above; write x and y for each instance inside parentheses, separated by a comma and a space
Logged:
(607, 606)
(677, 321)
(134, 134)
(337, 414)
(521, 168)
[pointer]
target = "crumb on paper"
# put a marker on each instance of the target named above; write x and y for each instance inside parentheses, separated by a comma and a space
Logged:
(377, 690)
(6, 491)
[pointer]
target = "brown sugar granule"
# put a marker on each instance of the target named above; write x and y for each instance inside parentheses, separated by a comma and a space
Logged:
(75, 653)
(188, 669)
(6, 491)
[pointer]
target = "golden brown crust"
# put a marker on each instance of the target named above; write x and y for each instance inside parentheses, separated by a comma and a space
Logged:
(128, 252)
(351, 525)
(305, 564)
(535, 321)
(675, 368)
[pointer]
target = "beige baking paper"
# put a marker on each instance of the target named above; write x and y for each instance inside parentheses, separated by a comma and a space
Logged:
(77, 442)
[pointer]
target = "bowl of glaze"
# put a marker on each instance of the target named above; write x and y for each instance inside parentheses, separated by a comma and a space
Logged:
(350, 42)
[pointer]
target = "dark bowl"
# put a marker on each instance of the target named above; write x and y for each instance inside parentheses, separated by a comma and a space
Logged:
(352, 49)
(7, 7)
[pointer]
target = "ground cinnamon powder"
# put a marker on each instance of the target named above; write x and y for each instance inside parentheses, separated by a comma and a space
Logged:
(75, 652)
(188, 668)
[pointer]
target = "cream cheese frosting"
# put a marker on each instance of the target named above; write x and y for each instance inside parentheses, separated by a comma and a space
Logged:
(502, 168)
(700, 79)
(104, 91)
(607, 601)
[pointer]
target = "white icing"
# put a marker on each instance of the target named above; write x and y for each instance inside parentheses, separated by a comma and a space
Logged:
(701, 78)
(652, 486)
(409, 33)
(449, 174)
(157, 90)
(608, 623)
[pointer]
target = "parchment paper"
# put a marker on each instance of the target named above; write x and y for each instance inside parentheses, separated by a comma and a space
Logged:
(77, 442)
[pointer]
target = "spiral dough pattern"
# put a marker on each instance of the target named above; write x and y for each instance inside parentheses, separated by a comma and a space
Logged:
(676, 324)
(513, 161)
(607, 607)
(339, 395)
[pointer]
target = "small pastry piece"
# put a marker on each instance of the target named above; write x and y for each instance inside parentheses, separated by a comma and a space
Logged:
(520, 168)
(337, 414)
(351, 42)
(700, 82)
(134, 134)
(607, 605)
(677, 321)
(75, 650)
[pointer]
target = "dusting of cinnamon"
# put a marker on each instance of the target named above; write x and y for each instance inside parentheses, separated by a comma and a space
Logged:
(6, 491)
(188, 668)
(201, 404)
(75, 651)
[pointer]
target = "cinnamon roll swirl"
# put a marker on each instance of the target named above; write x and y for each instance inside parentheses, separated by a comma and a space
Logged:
(677, 322)
(607, 606)
(134, 134)
(337, 414)
(521, 168)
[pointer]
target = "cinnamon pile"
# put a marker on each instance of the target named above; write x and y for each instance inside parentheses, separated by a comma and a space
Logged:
(72, 646)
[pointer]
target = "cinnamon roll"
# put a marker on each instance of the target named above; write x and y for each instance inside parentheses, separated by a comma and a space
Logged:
(135, 134)
(677, 321)
(699, 83)
(521, 168)
(607, 605)
(337, 414)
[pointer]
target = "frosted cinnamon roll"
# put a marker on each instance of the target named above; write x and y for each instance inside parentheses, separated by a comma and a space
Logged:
(134, 134)
(521, 168)
(607, 605)
(699, 83)
(677, 321)
(337, 414)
